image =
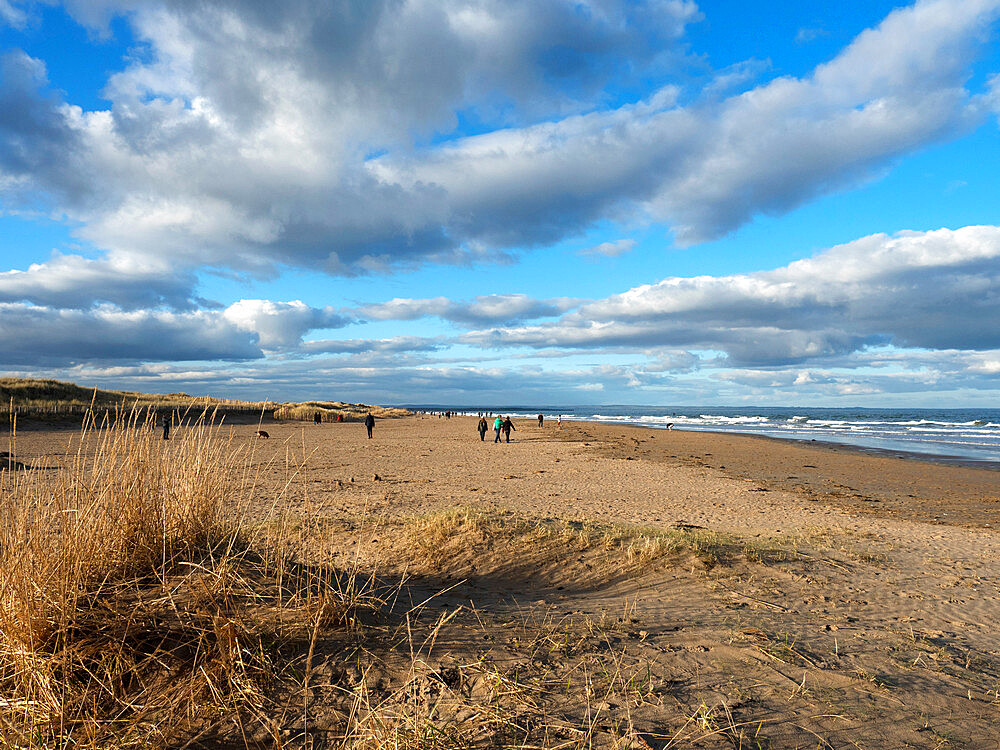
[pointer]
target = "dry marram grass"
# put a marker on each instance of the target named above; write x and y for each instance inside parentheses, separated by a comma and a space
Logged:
(134, 610)
(39, 396)
(463, 535)
(330, 411)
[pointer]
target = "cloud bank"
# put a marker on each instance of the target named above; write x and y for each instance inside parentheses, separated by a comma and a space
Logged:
(880, 315)
(305, 135)
(930, 290)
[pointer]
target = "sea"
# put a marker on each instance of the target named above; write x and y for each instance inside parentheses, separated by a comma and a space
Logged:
(966, 435)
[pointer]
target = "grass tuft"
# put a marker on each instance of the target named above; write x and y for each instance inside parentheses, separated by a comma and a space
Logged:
(461, 538)
(134, 611)
(333, 411)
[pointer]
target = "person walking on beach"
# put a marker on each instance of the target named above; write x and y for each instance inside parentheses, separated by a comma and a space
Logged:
(317, 418)
(507, 427)
(541, 420)
(482, 426)
(497, 426)
(369, 423)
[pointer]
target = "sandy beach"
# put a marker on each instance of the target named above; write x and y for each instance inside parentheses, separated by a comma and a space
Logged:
(814, 596)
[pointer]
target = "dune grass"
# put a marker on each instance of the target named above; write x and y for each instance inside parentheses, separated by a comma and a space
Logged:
(333, 411)
(461, 536)
(30, 395)
(52, 398)
(135, 611)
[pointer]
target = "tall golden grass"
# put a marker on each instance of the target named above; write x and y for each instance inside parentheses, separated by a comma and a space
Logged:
(135, 610)
(333, 411)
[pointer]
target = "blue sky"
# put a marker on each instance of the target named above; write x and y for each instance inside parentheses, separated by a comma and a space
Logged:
(475, 201)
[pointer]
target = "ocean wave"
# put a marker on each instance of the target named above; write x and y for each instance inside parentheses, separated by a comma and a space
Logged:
(719, 419)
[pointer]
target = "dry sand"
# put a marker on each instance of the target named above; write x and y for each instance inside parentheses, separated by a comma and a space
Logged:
(858, 603)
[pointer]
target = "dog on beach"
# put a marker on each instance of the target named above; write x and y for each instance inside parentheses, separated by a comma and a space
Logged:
(7, 462)
(262, 434)
(670, 425)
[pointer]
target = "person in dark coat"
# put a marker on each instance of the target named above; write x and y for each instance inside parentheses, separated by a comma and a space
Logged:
(482, 426)
(369, 423)
(507, 427)
(317, 418)
(166, 426)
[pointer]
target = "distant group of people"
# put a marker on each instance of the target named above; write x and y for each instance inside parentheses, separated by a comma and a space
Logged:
(369, 421)
(501, 424)
(318, 418)
(504, 425)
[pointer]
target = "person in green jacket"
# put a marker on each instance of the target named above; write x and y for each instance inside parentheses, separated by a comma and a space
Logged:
(497, 426)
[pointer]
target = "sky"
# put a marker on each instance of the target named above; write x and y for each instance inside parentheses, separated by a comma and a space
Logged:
(498, 202)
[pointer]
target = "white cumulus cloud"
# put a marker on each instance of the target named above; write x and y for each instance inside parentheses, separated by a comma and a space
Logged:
(245, 138)
(934, 290)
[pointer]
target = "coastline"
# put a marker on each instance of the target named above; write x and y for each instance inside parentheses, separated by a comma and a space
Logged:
(992, 463)
(948, 435)
(934, 458)
(844, 476)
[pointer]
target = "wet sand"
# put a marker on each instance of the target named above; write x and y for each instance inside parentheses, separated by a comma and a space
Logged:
(863, 481)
